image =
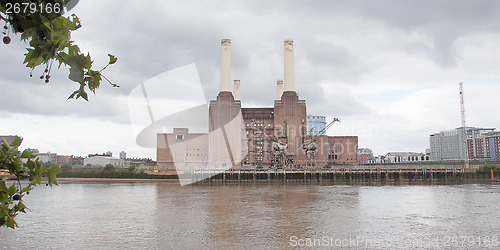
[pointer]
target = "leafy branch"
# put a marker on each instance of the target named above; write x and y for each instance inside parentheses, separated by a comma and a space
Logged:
(49, 34)
(22, 166)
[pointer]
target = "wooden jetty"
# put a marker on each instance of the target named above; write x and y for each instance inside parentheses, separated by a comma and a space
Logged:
(385, 173)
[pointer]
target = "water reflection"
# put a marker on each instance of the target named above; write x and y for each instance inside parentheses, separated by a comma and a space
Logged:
(162, 215)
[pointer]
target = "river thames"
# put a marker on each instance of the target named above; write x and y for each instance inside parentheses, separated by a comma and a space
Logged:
(164, 215)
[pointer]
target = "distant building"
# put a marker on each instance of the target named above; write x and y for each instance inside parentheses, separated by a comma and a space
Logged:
(102, 161)
(493, 144)
(477, 143)
(140, 162)
(406, 157)
(365, 155)
(182, 147)
(76, 160)
(53, 157)
(315, 124)
(448, 145)
(123, 155)
(63, 159)
(108, 154)
(47, 157)
(35, 151)
(378, 159)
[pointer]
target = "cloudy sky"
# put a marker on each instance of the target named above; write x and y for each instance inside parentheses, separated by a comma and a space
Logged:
(388, 69)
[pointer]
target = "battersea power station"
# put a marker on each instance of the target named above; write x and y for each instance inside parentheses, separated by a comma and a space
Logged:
(278, 136)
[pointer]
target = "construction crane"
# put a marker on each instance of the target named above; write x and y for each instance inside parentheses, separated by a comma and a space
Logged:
(464, 132)
(310, 144)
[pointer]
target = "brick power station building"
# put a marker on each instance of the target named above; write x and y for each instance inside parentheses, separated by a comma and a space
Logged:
(252, 137)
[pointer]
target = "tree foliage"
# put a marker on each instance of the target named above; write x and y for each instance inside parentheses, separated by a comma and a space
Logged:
(48, 34)
(23, 166)
(109, 168)
(66, 167)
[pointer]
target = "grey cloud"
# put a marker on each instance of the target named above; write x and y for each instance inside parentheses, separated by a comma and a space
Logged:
(152, 39)
(442, 21)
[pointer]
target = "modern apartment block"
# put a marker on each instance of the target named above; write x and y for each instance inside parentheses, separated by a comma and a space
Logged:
(449, 145)
(493, 145)
(315, 124)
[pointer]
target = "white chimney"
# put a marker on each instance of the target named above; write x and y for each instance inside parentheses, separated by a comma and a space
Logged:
(289, 67)
(225, 66)
(236, 90)
(279, 89)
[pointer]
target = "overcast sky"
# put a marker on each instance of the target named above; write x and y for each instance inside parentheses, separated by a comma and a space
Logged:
(388, 69)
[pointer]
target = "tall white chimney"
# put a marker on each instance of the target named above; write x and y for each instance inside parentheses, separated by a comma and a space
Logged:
(289, 67)
(225, 66)
(279, 89)
(236, 90)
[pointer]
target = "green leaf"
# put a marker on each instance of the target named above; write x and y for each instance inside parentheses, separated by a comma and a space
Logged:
(17, 141)
(51, 174)
(26, 189)
(33, 58)
(12, 190)
(3, 188)
(88, 62)
(26, 154)
(73, 95)
(112, 59)
(20, 207)
(30, 164)
(76, 74)
(84, 95)
(36, 180)
(78, 61)
(11, 223)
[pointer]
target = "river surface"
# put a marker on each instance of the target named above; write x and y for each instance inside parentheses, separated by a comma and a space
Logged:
(164, 215)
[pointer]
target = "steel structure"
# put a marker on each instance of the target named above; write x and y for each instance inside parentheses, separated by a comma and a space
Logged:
(464, 132)
(310, 144)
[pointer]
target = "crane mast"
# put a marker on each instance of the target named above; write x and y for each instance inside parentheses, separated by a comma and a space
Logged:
(464, 133)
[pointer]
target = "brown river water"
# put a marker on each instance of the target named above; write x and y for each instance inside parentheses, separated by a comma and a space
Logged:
(163, 215)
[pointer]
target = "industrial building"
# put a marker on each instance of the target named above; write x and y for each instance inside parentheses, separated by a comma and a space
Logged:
(281, 135)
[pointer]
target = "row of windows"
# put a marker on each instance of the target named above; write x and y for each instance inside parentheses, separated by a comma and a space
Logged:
(258, 125)
(188, 154)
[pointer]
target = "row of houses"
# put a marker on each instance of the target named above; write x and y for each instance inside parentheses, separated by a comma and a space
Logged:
(365, 156)
(91, 159)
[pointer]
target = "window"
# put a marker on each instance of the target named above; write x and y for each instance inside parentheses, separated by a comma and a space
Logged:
(179, 137)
